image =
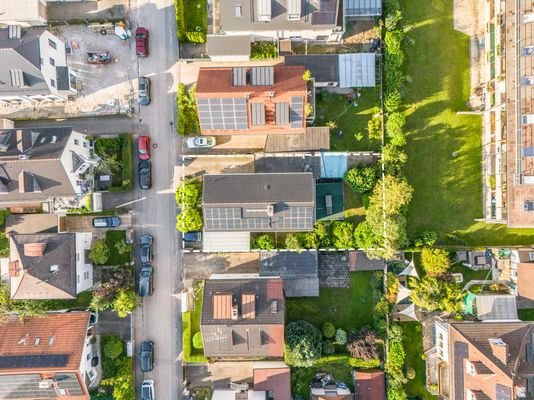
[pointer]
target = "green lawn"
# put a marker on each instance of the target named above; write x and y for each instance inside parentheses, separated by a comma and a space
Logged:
(349, 119)
(412, 341)
(448, 190)
(191, 325)
(526, 314)
(112, 238)
(469, 274)
(301, 377)
(348, 309)
(196, 16)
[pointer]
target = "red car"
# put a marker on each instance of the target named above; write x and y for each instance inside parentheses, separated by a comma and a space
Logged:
(143, 147)
(141, 42)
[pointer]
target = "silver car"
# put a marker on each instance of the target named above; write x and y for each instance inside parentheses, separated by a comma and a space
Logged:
(143, 95)
(147, 390)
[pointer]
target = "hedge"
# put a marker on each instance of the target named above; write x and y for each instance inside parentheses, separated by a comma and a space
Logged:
(347, 359)
(127, 162)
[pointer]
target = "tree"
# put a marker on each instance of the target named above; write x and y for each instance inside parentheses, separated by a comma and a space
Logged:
(197, 341)
(396, 393)
(364, 237)
(343, 232)
(374, 127)
(99, 303)
(293, 242)
(435, 261)
(328, 348)
(341, 337)
(395, 124)
(122, 247)
(264, 242)
(398, 194)
(361, 179)
(188, 123)
(434, 294)
(122, 382)
(189, 193)
(113, 348)
(362, 344)
(329, 330)
(125, 302)
(303, 344)
(307, 75)
(393, 155)
(99, 253)
(189, 220)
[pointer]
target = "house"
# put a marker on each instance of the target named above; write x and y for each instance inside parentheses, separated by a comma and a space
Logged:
(338, 70)
(259, 202)
(251, 100)
(50, 357)
(48, 266)
(485, 360)
(243, 317)
(40, 164)
(34, 67)
(24, 13)
(369, 384)
(280, 19)
(299, 271)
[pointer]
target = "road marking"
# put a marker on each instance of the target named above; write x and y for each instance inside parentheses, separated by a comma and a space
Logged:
(130, 202)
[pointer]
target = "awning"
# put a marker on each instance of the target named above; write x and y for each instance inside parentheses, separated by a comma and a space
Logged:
(410, 270)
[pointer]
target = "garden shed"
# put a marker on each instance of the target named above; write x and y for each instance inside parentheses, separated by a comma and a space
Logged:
(491, 307)
(329, 199)
(357, 70)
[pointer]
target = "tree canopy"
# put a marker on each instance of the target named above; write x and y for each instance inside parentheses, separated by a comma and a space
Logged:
(435, 261)
(99, 253)
(303, 344)
(189, 220)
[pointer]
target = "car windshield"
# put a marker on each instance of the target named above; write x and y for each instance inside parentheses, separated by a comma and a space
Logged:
(200, 141)
(145, 274)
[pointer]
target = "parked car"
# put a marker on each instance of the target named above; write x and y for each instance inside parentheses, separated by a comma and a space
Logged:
(146, 286)
(143, 92)
(145, 174)
(193, 236)
(143, 147)
(141, 42)
(147, 390)
(146, 248)
(106, 222)
(147, 356)
(201, 142)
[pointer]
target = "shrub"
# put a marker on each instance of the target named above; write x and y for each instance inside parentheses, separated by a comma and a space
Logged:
(395, 124)
(189, 220)
(435, 261)
(264, 242)
(303, 344)
(197, 341)
(195, 37)
(361, 179)
(308, 109)
(329, 330)
(343, 232)
(307, 76)
(341, 337)
(125, 302)
(189, 193)
(362, 344)
(427, 238)
(392, 100)
(328, 348)
(99, 253)
(410, 373)
(263, 50)
(188, 123)
(364, 237)
(293, 242)
(374, 127)
(113, 348)
(180, 20)
(122, 247)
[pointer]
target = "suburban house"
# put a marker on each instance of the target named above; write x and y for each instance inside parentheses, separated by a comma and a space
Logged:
(25, 13)
(34, 67)
(47, 266)
(355, 70)
(485, 360)
(48, 357)
(280, 19)
(278, 202)
(369, 384)
(41, 164)
(251, 100)
(270, 380)
(243, 317)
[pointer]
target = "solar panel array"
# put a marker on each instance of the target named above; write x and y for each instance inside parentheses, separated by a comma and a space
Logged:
(296, 112)
(26, 386)
(230, 113)
(257, 114)
(262, 76)
(221, 219)
(34, 361)
(282, 113)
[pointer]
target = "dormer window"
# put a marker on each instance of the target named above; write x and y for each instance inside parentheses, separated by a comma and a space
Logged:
(470, 368)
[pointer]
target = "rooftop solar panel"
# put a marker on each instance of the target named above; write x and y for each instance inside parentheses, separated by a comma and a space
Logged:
(282, 113)
(296, 112)
(239, 76)
(262, 76)
(502, 392)
(223, 113)
(257, 113)
(34, 361)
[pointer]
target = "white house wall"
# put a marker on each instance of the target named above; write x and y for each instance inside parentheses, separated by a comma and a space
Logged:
(48, 52)
(80, 145)
(296, 34)
(84, 268)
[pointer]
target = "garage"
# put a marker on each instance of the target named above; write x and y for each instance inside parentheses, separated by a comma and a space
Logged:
(220, 242)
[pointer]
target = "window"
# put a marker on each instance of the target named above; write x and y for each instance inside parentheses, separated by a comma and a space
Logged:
(89, 355)
(86, 275)
(76, 142)
(52, 44)
(78, 278)
(85, 144)
(238, 11)
(52, 83)
(52, 62)
(470, 368)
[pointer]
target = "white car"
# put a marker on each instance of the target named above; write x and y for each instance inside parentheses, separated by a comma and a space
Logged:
(201, 142)
(147, 390)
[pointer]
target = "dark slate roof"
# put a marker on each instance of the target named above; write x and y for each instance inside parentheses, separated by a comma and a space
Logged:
(222, 45)
(60, 250)
(297, 162)
(43, 143)
(299, 271)
(242, 189)
(323, 67)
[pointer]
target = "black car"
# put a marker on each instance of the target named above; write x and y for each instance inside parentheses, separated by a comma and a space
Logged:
(147, 356)
(193, 236)
(146, 248)
(145, 280)
(145, 174)
(106, 222)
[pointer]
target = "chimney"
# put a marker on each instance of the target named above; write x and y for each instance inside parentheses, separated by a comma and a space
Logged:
(499, 349)
(14, 270)
(248, 305)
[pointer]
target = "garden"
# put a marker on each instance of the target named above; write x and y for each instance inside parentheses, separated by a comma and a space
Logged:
(191, 20)
(191, 335)
(189, 201)
(116, 161)
(188, 123)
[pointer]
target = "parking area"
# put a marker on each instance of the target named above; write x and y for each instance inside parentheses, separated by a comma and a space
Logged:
(109, 323)
(219, 375)
(233, 145)
(84, 223)
(202, 265)
(195, 166)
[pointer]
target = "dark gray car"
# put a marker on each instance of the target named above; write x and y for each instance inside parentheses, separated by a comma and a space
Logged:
(106, 222)
(145, 175)
(145, 280)
(143, 97)
(146, 248)
(146, 356)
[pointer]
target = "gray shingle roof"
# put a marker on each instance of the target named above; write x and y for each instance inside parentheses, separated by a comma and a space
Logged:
(323, 67)
(222, 45)
(299, 271)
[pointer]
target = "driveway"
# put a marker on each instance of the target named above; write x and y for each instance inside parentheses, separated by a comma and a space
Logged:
(109, 323)
(202, 265)
(218, 375)
(194, 166)
(84, 223)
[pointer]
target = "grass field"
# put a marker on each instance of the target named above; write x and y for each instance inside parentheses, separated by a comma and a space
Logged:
(448, 188)
(112, 238)
(413, 346)
(350, 120)
(354, 311)
(526, 314)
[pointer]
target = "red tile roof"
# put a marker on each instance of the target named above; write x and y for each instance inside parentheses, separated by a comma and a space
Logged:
(276, 340)
(525, 280)
(369, 385)
(277, 380)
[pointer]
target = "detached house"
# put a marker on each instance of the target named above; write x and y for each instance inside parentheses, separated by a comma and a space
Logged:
(34, 67)
(251, 100)
(49, 357)
(243, 317)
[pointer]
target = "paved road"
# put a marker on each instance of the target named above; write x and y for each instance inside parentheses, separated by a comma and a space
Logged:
(90, 126)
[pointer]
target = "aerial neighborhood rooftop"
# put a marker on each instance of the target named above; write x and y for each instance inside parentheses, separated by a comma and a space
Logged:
(266, 200)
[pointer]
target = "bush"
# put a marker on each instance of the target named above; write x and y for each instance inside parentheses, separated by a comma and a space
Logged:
(125, 302)
(180, 20)
(329, 330)
(328, 348)
(374, 127)
(263, 50)
(188, 123)
(362, 344)
(341, 337)
(410, 373)
(395, 124)
(189, 220)
(435, 261)
(343, 232)
(361, 179)
(264, 242)
(99, 253)
(427, 238)
(113, 348)
(195, 37)
(189, 193)
(197, 341)
(293, 242)
(392, 100)
(303, 344)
